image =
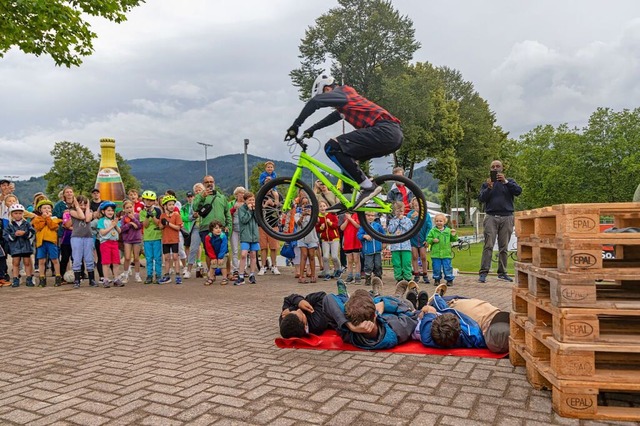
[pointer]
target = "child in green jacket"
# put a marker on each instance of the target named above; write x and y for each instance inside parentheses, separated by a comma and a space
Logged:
(440, 238)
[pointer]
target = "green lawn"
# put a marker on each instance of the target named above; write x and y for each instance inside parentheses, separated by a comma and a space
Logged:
(469, 261)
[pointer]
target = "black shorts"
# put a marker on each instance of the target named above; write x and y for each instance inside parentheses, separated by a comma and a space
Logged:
(372, 142)
(170, 248)
(21, 255)
(351, 251)
(187, 238)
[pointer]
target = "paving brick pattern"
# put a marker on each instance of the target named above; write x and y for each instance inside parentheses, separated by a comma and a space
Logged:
(190, 354)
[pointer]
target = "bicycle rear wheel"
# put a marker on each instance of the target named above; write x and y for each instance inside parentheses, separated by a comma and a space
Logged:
(277, 222)
(400, 235)
(463, 245)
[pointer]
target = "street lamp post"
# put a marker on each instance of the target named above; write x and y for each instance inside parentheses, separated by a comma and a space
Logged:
(206, 145)
(246, 166)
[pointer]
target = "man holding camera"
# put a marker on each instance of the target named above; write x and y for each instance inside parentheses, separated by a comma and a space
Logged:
(497, 194)
(211, 205)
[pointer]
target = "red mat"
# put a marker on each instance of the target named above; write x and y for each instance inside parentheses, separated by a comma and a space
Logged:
(330, 341)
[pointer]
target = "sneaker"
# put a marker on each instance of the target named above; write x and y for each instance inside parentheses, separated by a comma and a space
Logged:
(358, 279)
(501, 277)
(118, 283)
(15, 282)
(199, 273)
(367, 280)
(401, 288)
(156, 280)
(275, 270)
(482, 278)
(239, 281)
(376, 286)
(184, 270)
(416, 278)
(336, 208)
(449, 283)
(441, 290)
(425, 279)
(367, 194)
(436, 283)
(342, 288)
(93, 283)
(412, 296)
(349, 279)
(138, 278)
(58, 281)
(165, 279)
(262, 271)
(42, 282)
(423, 299)
(149, 279)
(30, 282)
(76, 284)
(337, 273)
(252, 279)
(106, 284)
(178, 279)
(186, 275)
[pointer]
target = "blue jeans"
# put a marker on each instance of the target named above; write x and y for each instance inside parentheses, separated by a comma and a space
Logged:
(442, 264)
(373, 264)
(153, 254)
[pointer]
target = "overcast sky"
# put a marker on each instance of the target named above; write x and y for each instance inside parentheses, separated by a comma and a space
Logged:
(179, 72)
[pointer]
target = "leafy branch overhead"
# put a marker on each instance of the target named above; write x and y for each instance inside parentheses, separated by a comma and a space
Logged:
(56, 27)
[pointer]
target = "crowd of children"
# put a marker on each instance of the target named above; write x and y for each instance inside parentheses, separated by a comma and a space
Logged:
(93, 234)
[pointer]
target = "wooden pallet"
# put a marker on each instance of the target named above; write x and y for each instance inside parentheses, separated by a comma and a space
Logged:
(579, 256)
(581, 325)
(604, 362)
(602, 289)
(585, 398)
(575, 220)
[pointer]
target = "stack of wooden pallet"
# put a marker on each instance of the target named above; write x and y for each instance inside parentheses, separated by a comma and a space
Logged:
(575, 322)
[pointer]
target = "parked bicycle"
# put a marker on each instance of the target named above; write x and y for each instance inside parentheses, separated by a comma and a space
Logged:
(290, 187)
(461, 245)
(512, 252)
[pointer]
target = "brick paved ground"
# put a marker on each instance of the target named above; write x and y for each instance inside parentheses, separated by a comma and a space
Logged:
(165, 355)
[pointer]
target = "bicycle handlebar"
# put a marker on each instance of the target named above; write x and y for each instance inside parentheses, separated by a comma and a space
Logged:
(299, 141)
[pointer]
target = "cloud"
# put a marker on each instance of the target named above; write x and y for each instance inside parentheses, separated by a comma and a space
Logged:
(536, 84)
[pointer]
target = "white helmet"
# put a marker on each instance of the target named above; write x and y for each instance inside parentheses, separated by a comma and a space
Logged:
(321, 82)
(16, 208)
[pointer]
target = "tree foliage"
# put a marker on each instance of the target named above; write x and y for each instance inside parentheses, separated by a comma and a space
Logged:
(74, 164)
(56, 27)
(359, 39)
(598, 164)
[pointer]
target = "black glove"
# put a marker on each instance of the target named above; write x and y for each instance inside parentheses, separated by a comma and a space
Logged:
(308, 133)
(164, 221)
(292, 132)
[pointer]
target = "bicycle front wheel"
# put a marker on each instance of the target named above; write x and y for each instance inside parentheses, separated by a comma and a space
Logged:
(400, 235)
(281, 224)
(464, 246)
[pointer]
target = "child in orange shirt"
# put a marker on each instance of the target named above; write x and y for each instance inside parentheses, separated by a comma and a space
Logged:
(46, 227)
(170, 224)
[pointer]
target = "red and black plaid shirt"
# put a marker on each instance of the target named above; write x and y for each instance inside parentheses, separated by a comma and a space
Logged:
(361, 112)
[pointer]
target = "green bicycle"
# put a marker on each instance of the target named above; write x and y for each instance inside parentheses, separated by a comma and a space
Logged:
(278, 219)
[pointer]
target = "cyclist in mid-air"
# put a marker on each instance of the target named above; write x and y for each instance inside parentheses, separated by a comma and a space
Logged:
(377, 133)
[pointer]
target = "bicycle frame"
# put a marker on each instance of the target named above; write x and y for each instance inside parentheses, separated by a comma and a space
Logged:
(314, 166)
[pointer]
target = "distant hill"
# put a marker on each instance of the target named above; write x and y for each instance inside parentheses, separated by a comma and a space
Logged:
(424, 179)
(159, 174)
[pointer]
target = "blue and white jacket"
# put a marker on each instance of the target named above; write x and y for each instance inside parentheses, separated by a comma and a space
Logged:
(373, 246)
